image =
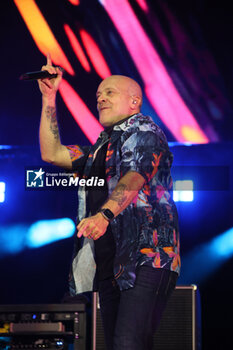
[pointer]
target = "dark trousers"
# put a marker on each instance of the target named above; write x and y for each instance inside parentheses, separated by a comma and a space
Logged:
(131, 317)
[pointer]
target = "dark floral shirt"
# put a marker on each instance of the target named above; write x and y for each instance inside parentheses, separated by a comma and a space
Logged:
(146, 232)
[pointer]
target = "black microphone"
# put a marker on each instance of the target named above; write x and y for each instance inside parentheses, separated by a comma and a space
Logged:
(41, 74)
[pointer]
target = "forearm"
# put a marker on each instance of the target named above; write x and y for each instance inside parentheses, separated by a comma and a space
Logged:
(52, 151)
(49, 133)
(125, 192)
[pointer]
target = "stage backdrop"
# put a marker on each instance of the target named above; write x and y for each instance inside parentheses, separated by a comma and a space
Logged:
(181, 54)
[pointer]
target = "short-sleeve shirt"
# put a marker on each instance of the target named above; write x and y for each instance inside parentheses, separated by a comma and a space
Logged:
(146, 232)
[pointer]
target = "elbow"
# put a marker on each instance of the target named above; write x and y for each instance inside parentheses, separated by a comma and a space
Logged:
(46, 158)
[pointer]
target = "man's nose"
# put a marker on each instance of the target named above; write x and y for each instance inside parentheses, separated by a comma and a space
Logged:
(101, 98)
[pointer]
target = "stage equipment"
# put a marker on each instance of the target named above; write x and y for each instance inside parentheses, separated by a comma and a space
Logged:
(43, 326)
(180, 327)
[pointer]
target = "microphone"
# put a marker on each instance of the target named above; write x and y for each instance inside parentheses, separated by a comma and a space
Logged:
(41, 74)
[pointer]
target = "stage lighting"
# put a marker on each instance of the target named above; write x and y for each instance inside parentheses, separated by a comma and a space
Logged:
(222, 246)
(47, 231)
(207, 258)
(2, 191)
(183, 191)
(12, 238)
(16, 238)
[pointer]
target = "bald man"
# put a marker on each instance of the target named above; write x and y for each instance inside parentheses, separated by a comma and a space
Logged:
(127, 244)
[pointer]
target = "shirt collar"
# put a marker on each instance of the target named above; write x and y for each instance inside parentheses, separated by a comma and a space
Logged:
(122, 124)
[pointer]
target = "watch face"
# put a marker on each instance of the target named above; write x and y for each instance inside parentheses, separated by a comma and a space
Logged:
(108, 213)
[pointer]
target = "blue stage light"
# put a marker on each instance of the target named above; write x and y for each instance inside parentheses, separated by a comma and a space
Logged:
(15, 238)
(2, 191)
(205, 259)
(183, 191)
(222, 245)
(47, 231)
(12, 238)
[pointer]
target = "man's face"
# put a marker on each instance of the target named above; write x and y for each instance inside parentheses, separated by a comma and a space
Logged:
(113, 100)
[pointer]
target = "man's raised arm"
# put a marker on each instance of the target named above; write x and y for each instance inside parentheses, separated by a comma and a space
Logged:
(52, 151)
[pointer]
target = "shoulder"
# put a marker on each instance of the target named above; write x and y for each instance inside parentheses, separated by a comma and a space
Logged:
(142, 126)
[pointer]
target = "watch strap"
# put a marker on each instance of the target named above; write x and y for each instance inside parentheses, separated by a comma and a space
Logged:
(107, 214)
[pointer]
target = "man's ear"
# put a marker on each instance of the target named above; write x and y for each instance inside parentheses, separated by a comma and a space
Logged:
(135, 102)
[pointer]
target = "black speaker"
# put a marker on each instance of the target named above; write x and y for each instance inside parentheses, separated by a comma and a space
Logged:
(180, 325)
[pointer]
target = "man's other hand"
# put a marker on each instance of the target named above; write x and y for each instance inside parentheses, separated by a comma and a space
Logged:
(93, 227)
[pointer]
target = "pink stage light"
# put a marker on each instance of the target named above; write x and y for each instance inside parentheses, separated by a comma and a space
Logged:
(42, 33)
(46, 42)
(95, 55)
(83, 116)
(143, 5)
(159, 87)
(74, 2)
(77, 48)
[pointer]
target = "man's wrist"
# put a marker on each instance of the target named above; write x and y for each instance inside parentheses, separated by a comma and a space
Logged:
(107, 214)
(49, 100)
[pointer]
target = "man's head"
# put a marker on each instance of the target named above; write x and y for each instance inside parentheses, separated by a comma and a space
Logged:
(117, 98)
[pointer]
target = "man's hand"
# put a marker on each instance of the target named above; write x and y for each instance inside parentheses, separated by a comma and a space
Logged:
(93, 227)
(49, 87)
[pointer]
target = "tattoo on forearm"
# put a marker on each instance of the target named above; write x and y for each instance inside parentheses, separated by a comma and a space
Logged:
(119, 195)
(51, 115)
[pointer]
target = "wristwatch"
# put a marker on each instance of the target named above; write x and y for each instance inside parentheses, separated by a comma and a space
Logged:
(107, 214)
